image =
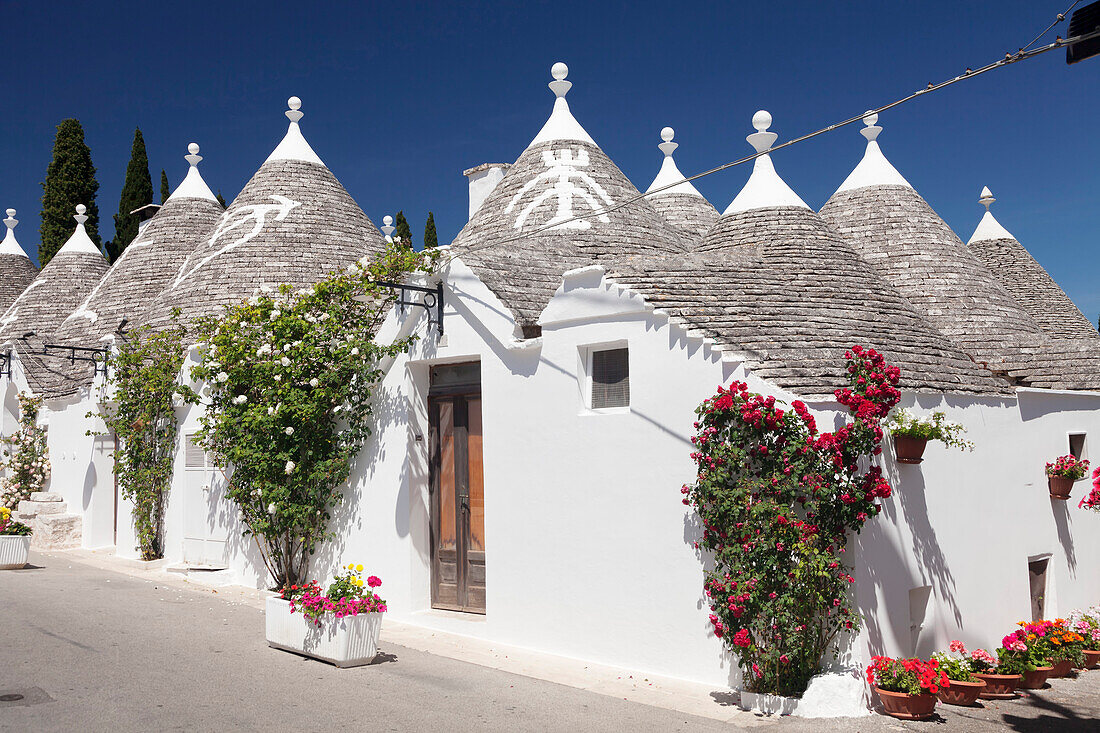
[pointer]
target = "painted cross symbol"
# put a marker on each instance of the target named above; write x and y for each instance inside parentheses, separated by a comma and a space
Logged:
(563, 166)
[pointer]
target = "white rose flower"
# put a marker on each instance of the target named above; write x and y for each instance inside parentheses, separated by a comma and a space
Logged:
(289, 431)
(222, 377)
(286, 347)
(254, 300)
(314, 382)
(353, 270)
(271, 508)
(270, 410)
(355, 351)
(278, 378)
(240, 399)
(289, 467)
(285, 361)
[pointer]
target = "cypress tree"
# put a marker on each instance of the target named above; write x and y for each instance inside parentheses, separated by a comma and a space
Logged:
(165, 189)
(221, 200)
(70, 180)
(430, 238)
(137, 191)
(403, 232)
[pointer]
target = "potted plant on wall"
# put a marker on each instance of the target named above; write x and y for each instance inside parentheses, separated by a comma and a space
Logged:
(963, 687)
(1000, 674)
(15, 541)
(340, 625)
(1062, 473)
(912, 433)
(906, 687)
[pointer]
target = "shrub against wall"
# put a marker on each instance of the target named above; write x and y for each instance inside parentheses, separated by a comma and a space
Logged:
(26, 461)
(777, 500)
(291, 375)
(145, 376)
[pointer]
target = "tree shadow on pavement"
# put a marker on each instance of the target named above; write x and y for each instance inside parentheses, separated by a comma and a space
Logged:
(1062, 719)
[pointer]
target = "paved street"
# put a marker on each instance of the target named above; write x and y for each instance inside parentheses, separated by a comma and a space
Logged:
(94, 650)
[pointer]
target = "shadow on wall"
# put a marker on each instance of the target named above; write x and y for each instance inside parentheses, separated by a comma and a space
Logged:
(1063, 522)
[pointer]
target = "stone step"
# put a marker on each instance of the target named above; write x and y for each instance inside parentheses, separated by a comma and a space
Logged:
(57, 532)
(46, 496)
(42, 508)
(23, 518)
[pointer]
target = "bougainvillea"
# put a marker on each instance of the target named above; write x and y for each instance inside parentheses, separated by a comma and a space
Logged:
(289, 379)
(777, 500)
(1092, 500)
(26, 462)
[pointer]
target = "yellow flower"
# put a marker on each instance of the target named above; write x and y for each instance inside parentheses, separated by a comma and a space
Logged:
(359, 582)
(358, 568)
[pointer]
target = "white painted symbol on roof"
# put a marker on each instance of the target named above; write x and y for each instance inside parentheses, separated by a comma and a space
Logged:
(256, 213)
(563, 166)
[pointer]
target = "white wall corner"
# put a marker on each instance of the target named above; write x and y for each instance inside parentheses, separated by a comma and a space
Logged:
(587, 294)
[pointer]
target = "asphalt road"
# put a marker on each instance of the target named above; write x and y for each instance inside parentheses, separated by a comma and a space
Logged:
(94, 650)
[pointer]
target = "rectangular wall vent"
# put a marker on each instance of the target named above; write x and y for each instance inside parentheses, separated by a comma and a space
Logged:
(194, 456)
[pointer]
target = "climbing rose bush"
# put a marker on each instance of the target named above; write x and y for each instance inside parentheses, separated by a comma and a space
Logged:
(26, 461)
(290, 375)
(777, 500)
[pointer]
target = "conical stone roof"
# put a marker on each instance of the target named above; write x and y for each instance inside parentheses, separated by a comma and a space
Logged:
(293, 222)
(16, 269)
(521, 240)
(913, 249)
(148, 264)
(61, 285)
(1025, 279)
(675, 198)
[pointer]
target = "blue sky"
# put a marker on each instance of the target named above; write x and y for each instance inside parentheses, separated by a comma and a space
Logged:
(401, 97)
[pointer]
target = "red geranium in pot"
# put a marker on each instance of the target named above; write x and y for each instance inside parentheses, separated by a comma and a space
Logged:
(906, 687)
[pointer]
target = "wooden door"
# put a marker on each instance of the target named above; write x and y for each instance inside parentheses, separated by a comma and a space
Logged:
(458, 502)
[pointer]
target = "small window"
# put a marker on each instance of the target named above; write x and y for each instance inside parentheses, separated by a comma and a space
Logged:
(610, 378)
(194, 456)
(1077, 445)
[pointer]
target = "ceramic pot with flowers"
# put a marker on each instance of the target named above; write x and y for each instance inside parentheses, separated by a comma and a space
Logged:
(1034, 679)
(962, 686)
(906, 687)
(998, 686)
(1062, 473)
(1092, 658)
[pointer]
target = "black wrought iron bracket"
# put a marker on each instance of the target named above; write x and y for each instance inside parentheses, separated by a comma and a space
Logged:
(97, 357)
(5, 364)
(432, 302)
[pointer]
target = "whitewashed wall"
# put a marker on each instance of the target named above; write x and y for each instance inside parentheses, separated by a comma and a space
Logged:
(588, 548)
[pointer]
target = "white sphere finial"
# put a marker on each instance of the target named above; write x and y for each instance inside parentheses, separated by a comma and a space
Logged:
(193, 148)
(762, 120)
(667, 134)
(387, 227)
(81, 217)
(11, 221)
(559, 71)
(295, 112)
(193, 156)
(11, 213)
(871, 131)
(81, 208)
(871, 118)
(294, 103)
(387, 220)
(560, 87)
(668, 147)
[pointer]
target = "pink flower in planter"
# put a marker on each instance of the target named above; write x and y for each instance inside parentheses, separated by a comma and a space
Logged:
(374, 581)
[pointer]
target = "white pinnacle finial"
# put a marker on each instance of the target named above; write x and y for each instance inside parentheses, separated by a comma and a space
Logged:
(560, 87)
(11, 221)
(80, 215)
(294, 113)
(193, 156)
(388, 227)
(872, 129)
(762, 140)
(986, 199)
(668, 147)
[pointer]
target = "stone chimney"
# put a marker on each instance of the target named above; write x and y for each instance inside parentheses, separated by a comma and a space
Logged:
(483, 179)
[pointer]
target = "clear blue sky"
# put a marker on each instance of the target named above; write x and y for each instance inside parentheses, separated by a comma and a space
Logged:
(401, 97)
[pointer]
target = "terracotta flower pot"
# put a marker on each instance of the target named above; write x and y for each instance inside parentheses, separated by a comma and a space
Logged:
(1092, 658)
(1062, 669)
(905, 706)
(960, 693)
(1059, 487)
(909, 450)
(998, 686)
(1034, 679)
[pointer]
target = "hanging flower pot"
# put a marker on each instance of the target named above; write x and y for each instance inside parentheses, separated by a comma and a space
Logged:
(904, 706)
(960, 693)
(1092, 658)
(998, 686)
(909, 450)
(1034, 679)
(1062, 473)
(1059, 487)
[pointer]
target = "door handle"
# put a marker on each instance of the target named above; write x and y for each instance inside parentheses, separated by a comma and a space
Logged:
(206, 487)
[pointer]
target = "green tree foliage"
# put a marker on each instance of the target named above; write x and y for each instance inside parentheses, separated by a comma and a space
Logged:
(165, 189)
(145, 374)
(221, 200)
(70, 180)
(137, 191)
(402, 230)
(291, 375)
(430, 238)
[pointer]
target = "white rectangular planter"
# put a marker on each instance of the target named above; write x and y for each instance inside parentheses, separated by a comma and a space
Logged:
(346, 642)
(14, 549)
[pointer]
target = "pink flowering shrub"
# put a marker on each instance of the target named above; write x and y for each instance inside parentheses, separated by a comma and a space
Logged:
(1092, 501)
(26, 457)
(776, 499)
(346, 596)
